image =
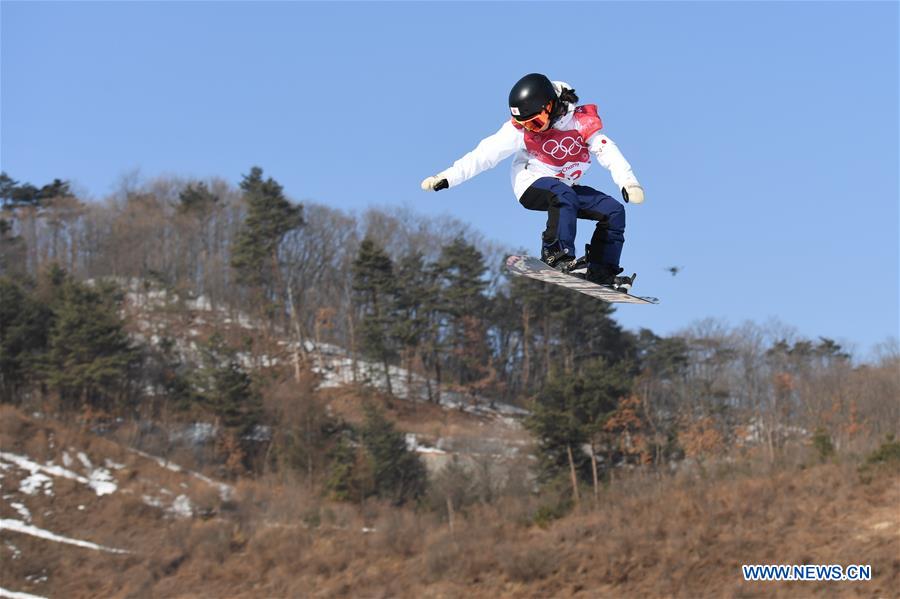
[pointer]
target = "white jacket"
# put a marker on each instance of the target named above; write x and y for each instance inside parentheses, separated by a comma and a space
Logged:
(561, 151)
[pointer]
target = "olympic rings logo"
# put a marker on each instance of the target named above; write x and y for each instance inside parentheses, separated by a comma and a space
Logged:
(567, 146)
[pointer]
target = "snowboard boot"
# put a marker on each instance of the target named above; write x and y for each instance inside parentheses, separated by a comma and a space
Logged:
(579, 267)
(556, 257)
(606, 274)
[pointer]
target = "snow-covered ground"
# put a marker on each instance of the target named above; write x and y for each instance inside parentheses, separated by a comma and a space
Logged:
(39, 479)
(412, 444)
(98, 479)
(27, 487)
(18, 595)
(333, 363)
(28, 529)
(225, 491)
(337, 368)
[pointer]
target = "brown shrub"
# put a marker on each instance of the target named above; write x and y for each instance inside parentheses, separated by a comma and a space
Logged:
(211, 541)
(12, 425)
(278, 547)
(529, 563)
(37, 445)
(399, 533)
(442, 557)
(333, 552)
(466, 555)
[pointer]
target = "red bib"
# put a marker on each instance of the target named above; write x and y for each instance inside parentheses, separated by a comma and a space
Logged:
(558, 147)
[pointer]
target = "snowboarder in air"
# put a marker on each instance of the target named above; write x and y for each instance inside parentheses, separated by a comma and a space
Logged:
(553, 137)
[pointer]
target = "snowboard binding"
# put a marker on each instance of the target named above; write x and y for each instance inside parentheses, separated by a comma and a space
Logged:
(600, 274)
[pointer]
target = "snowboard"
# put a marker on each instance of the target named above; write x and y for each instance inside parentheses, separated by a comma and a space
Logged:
(528, 266)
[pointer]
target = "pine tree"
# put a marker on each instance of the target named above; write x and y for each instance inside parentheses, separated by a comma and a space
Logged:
(90, 355)
(197, 199)
(587, 331)
(7, 188)
(373, 460)
(522, 313)
(13, 252)
(25, 201)
(346, 479)
(397, 473)
(223, 386)
(540, 328)
(166, 371)
(270, 216)
(233, 398)
(24, 329)
(304, 430)
(416, 297)
(570, 412)
(461, 270)
(14, 194)
(375, 289)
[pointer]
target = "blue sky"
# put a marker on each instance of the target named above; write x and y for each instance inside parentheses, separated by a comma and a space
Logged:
(765, 134)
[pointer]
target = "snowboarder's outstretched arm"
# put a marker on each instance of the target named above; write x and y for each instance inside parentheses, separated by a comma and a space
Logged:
(486, 155)
(610, 157)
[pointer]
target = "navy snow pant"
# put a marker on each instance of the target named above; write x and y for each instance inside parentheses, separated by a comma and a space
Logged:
(565, 205)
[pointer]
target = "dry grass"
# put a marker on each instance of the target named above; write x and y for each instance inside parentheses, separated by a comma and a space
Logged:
(423, 418)
(648, 536)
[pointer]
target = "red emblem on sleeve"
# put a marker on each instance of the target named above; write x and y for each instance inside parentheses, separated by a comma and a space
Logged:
(588, 120)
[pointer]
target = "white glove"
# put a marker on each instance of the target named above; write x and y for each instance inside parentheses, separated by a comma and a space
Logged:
(435, 183)
(633, 194)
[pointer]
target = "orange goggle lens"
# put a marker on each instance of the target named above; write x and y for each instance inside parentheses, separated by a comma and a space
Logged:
(538, 121)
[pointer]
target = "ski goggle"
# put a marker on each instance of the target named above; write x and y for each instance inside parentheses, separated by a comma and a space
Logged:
(539, 121)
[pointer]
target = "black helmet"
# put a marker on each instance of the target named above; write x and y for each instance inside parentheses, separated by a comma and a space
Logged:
(530, 95)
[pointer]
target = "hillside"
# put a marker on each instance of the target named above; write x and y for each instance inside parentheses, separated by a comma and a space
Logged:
(214, 391)
(85, 517)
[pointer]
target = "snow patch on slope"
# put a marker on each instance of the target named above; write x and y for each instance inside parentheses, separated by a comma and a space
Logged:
(225, 491)
(183, 507)
(16, 552)
(18, 595)
(22, 510)
(36, 482)
(412, 444)
(101, 481)
(338, 368)
(28, 529)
